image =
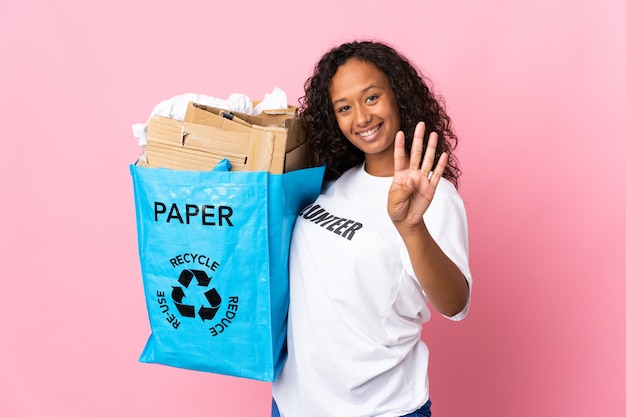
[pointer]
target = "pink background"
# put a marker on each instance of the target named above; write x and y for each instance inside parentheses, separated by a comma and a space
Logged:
(537, 91)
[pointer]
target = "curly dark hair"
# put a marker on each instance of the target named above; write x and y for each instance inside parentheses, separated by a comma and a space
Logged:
(415, 100)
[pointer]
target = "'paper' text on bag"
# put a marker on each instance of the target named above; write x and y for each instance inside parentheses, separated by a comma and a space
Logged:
(204, 213)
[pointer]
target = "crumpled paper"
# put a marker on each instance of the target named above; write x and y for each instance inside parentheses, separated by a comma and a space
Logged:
(175, 107)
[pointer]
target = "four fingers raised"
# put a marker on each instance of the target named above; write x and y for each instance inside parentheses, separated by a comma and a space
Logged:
(426, 166)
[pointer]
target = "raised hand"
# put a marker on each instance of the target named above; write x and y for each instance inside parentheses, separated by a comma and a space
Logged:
(413, 186)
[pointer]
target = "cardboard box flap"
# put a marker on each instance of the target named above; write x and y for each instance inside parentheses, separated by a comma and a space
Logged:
(275, 119)
(196, 113)
(294, 133)
(170, 142)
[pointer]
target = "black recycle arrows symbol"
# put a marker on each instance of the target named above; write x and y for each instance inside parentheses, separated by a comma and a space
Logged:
(212, 296)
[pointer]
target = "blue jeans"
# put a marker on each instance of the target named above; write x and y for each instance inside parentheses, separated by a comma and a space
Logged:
(424, 411)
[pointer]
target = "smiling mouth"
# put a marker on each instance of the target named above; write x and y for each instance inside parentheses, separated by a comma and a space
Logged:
(369, 132)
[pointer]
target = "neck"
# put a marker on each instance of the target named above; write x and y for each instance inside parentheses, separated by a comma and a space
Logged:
(379, 165)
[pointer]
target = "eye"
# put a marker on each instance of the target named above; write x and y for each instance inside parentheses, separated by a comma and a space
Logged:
(371, 98)
(342, 109)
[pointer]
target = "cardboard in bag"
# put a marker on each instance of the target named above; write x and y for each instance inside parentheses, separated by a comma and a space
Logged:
(274, 141)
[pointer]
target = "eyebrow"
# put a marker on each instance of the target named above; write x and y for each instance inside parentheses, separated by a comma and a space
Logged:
(365, 90)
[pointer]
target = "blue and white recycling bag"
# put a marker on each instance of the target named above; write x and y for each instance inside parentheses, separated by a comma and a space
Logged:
(213, 249)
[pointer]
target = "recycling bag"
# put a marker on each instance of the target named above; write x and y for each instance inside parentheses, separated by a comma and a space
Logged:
(213, 249)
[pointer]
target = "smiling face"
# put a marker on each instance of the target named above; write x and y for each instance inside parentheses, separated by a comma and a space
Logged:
(367, 112)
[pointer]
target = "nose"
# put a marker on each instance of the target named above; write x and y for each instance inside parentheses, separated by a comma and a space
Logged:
(362, 116)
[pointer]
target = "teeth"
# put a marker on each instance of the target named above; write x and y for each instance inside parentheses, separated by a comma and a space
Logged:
(369, 132)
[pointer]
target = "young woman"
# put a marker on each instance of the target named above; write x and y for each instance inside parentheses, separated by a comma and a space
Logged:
(387, 235)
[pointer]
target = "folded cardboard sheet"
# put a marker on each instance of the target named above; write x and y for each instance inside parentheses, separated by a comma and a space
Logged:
(273, 141)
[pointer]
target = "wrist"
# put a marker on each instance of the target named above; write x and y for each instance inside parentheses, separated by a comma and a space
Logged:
(418, 229)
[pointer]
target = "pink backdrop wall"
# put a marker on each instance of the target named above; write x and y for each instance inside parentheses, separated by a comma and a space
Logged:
(538, 95)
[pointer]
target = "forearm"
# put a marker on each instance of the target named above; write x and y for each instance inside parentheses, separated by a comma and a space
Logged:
(441, 280)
